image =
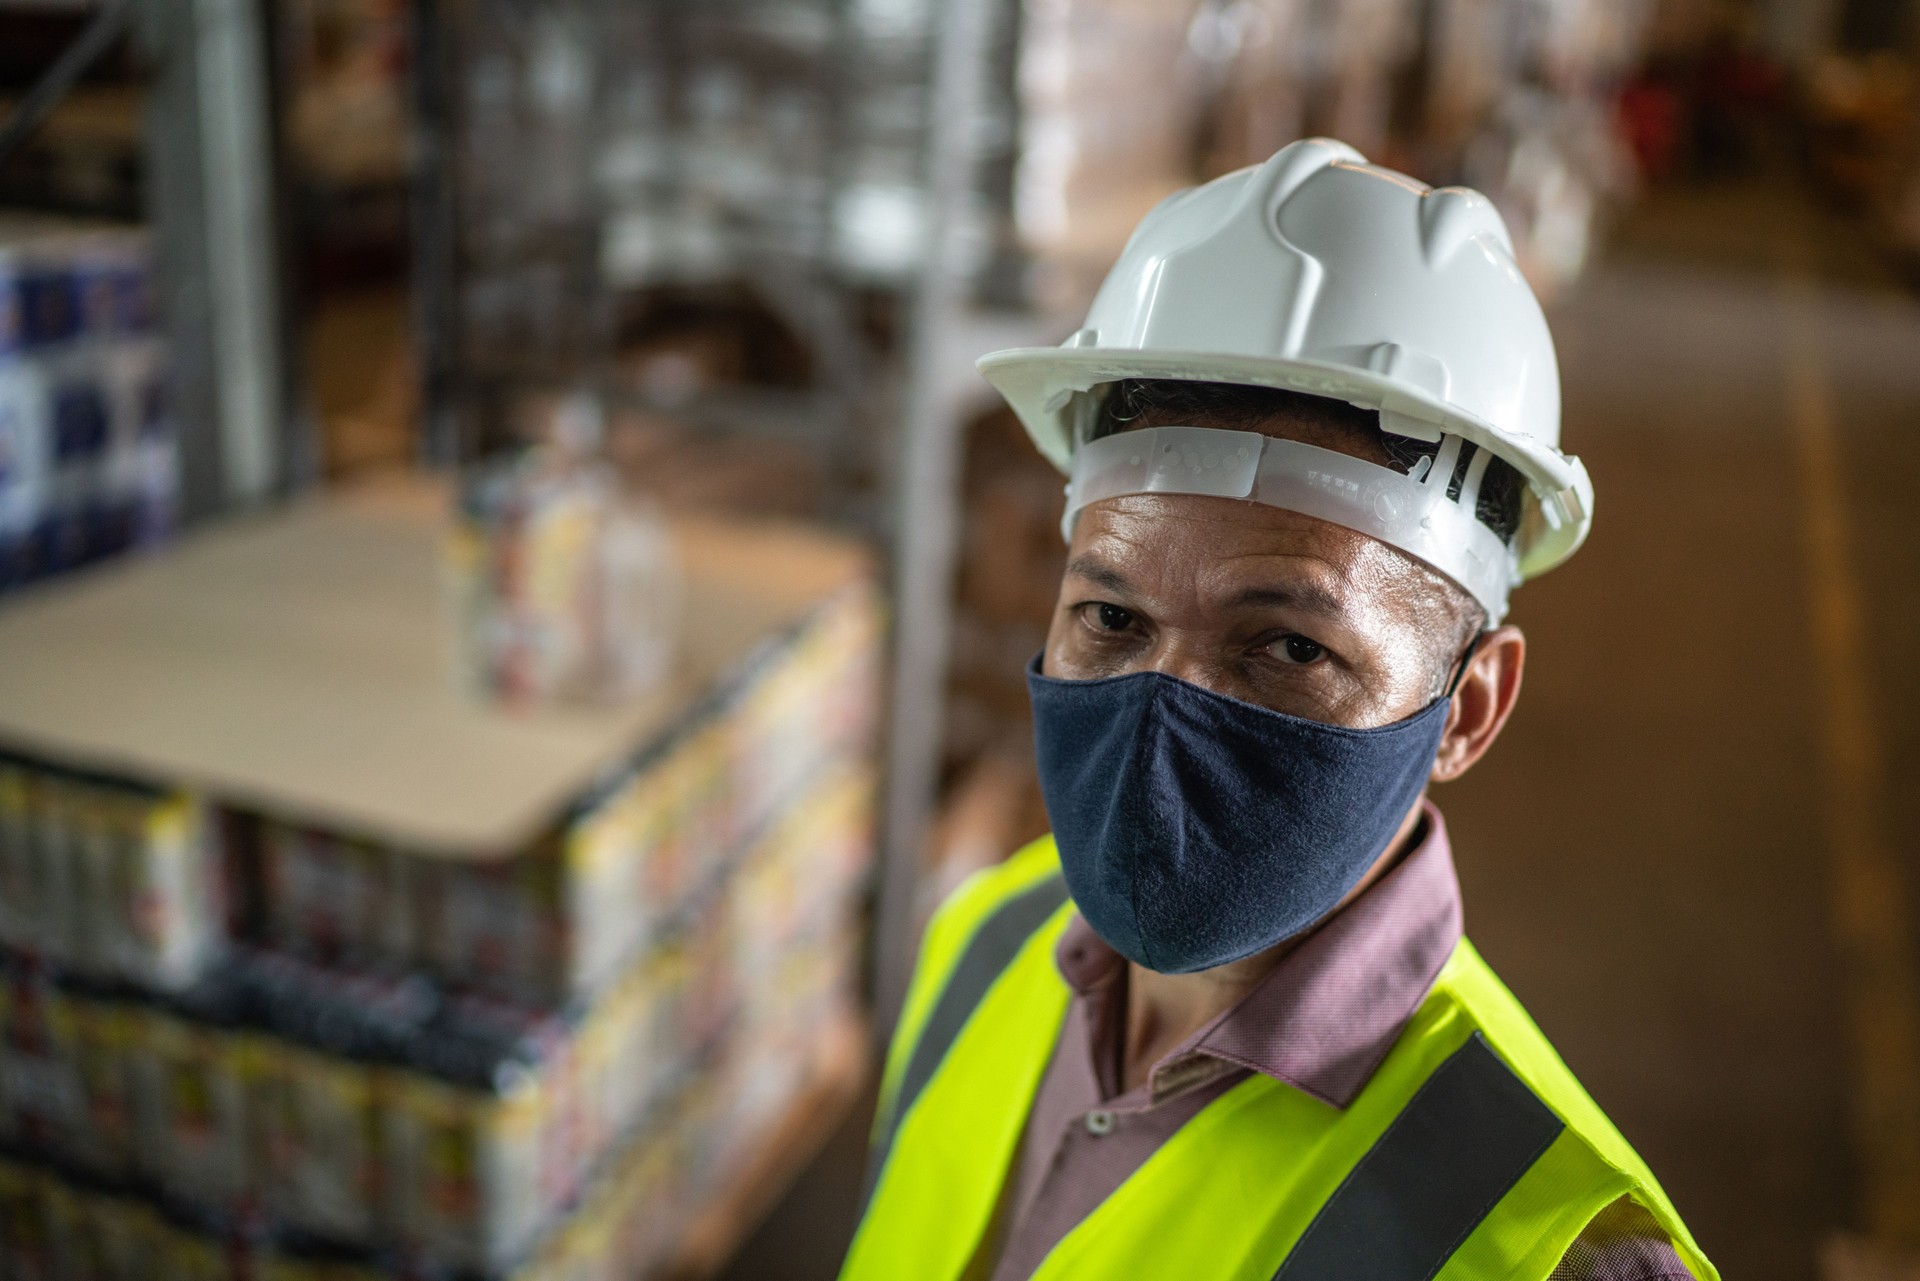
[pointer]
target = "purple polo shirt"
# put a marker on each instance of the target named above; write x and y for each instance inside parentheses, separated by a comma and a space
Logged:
(1321, 1022)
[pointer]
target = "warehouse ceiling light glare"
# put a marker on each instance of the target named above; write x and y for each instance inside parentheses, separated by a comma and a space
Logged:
(1320, 273)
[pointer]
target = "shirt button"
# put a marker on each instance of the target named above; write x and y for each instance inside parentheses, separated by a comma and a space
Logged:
(1099, 1122)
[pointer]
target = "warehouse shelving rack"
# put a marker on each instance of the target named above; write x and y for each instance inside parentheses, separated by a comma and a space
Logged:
(888, 414)
(210, 182)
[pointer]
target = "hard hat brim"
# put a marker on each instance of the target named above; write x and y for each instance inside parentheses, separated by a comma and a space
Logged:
(1039, 383)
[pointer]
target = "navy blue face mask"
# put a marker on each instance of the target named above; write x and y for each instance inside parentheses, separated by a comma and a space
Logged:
(1195, 829)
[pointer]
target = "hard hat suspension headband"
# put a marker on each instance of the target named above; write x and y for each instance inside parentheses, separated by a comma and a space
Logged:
(1411, 512)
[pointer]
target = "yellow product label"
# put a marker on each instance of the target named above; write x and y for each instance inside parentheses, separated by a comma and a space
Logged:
(588, 1240)
(432, 1162)
(99, 1048)
(466, 548)
(558, 540)
(350, 1085)
(594, 1057)
(251, 1057)
(62, 1013)
(594, 845)
(13, 791)
(282, 1267)
(170, 1038)
(76, 1245)
(332, 1105)
(195, 1257)
(519, 1110)
(171, 821)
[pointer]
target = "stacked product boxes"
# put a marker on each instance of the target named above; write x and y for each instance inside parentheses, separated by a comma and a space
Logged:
(403, 1065)
(88, 453)
(107, 880)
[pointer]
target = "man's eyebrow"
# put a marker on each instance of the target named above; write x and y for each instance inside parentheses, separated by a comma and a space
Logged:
(1098, 572)
(1310, 597)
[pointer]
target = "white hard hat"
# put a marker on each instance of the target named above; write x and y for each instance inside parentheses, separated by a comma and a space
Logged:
(1320, 273)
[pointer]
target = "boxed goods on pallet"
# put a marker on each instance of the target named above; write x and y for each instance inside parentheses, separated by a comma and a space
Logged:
(88, 452)
(555, 921)
(412, 1064)
(369, 1114)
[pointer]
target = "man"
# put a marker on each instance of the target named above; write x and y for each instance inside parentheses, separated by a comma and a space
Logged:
(1222, 1023)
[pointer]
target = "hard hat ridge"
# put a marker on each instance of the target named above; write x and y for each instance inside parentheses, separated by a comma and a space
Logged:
(1453, 217)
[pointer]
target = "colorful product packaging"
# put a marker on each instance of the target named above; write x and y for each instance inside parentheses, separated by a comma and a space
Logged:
(563, 590)
(463, 1168)
(51, 800)
(498, 926)
(318, 1123)
(101, 1136)
(43, 1091)
(106, 879)
(168, 891)
(338, 900)
(17, 870)
(193, 1081)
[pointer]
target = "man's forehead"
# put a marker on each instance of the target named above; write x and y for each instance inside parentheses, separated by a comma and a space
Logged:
(1238, 548)
(1207, 526)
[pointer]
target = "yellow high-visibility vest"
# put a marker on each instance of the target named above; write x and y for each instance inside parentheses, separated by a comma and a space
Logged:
(1471, 1153)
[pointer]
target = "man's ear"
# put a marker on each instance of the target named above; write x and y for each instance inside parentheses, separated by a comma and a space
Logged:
(1482, 703)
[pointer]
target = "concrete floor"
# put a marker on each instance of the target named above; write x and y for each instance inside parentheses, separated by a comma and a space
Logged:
(1645, 855)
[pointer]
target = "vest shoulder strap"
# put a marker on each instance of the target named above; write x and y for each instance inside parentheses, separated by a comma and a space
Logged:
(1465, 1138)
(952, 924)
(969, 944)
(1593, 1151)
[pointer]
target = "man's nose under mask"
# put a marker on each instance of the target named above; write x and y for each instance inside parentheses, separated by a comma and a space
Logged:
(1195, 829)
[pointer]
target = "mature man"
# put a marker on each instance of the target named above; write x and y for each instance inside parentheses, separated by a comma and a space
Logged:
(1222, 1023)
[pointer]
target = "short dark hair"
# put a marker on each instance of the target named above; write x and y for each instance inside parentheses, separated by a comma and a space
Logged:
(1152, 402)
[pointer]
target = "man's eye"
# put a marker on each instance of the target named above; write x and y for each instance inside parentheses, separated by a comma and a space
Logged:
(1297, 649)
(1111, 618)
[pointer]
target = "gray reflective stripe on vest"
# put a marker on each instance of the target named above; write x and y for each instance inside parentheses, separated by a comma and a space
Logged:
(1457, 1147)
(991, 949)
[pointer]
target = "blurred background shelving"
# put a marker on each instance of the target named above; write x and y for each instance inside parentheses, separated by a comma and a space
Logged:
(267, 253)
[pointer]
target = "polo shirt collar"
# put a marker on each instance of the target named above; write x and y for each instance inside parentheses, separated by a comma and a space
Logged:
(1325, 1017)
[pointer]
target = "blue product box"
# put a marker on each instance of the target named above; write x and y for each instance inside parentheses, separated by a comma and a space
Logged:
(10, 319)
(23, 444)
(49, 304)
(12, 561)
(114, 288)
(81, 419)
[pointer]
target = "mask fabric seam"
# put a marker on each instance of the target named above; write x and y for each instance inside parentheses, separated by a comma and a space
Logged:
(1151, 719)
